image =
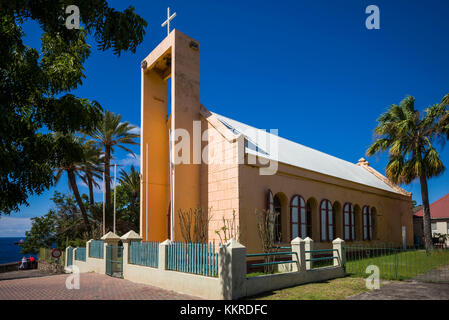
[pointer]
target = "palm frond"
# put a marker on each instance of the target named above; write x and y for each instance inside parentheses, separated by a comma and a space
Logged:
(409, 139)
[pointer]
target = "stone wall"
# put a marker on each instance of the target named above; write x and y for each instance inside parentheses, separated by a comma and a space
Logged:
(50, 267)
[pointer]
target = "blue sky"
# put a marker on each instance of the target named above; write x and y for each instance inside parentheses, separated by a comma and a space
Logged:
(310, 69)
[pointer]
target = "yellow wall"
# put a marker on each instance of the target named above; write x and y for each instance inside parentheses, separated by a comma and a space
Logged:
(186, 109)
(393, 210)
(225, 187)
(220, 186)
(154, 133)
(228, 187)
(173, 58)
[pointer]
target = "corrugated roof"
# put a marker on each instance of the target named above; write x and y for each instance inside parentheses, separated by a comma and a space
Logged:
(438, 209)
(295, 154)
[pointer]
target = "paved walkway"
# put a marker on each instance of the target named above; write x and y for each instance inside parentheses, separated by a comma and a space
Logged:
(92, 287)
(407, 290)
(433, 285)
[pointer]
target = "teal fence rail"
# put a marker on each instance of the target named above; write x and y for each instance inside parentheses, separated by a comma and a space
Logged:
(144, 253)
(321, 258)
(69, 256)
(80, 254)
(397, 263)
(271, 255)
(96, 249)
(197, 258)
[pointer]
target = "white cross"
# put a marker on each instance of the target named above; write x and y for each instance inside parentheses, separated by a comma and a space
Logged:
(167, 22)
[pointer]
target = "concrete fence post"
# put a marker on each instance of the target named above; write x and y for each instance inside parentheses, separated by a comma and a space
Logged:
(127, 238)
(308, 247)
(74, 255)
(339, 252)
(298, 248)
(66, 256)
(105, 244)
(88, 249)
(163, 254)
(232, 270)
(125, 255)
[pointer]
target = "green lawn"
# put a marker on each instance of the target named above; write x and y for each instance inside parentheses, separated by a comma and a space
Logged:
(256, 274)
(393, 265)
(401, 265)
(335, 289)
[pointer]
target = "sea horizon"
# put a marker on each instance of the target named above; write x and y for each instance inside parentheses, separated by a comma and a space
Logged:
(10, 252)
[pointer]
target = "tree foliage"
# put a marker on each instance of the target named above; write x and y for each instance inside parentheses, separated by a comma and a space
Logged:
(444, 121)
(61, 226)
(72, 162)
(109, 133)
(34, 89)
(41, 235)
(410, 139)
(128, 210)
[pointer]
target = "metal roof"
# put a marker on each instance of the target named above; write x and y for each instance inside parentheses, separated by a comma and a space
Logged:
(438, 209)
(298, 155)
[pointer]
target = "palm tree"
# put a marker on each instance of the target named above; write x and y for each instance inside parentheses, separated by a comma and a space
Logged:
(409, 138)
(445, 100)
(70, 160)
(91, 168)
(109, 133)
(131, 182)
(444, 122)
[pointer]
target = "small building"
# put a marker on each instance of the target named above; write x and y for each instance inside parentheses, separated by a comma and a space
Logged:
(439, 217)
(192, 157)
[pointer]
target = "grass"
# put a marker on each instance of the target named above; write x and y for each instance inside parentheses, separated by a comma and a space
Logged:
(259, 273)
(393, 265)
(401, 265)
(335, 289)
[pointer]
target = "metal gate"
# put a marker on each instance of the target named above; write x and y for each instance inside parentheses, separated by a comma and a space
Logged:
(114, 261)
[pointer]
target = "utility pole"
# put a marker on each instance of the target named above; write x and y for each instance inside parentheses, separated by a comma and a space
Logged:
(104, 210)
(115, 192)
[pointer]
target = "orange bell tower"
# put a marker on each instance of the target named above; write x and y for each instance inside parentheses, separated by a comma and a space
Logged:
(167, 188)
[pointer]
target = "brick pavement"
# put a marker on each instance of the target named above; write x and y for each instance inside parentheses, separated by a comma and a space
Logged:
(407, 290)
(93, 286)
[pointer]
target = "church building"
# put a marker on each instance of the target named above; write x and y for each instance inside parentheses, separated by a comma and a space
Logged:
(193, 157)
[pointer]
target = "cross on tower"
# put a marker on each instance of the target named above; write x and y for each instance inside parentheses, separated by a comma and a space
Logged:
(167, 22)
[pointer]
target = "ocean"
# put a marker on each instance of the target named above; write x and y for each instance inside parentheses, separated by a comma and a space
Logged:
(10, 252)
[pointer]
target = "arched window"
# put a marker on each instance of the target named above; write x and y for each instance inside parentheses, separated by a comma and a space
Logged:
(348, 222)
(327, 221)
(298, 217)
(367, 223)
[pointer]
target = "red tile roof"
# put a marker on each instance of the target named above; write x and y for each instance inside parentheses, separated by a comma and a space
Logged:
(438, 209)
